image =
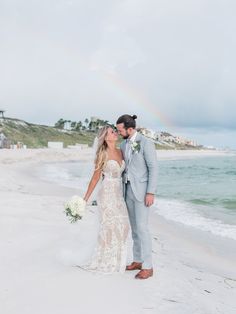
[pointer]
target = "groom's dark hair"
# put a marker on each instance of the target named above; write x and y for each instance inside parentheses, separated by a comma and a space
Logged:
(129, 121)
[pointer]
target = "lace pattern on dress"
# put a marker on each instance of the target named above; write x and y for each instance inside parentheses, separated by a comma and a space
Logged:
(111, 250)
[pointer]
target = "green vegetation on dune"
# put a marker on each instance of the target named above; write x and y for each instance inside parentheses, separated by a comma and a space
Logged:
(73, 132)
(178, 147)
(38, 136)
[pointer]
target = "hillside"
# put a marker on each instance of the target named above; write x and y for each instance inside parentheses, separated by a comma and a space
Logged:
(37, 136)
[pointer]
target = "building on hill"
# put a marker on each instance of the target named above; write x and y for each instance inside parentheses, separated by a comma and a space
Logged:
(147, 132)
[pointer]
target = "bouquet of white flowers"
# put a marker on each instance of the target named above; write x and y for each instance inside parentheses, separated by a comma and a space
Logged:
(75, 208)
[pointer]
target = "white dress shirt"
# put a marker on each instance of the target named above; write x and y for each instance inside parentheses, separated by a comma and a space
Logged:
(128, 150)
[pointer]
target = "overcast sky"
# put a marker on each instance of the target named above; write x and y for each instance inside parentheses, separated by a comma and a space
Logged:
(170, 62)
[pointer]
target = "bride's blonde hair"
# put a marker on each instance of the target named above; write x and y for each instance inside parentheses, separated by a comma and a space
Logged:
(101, 153)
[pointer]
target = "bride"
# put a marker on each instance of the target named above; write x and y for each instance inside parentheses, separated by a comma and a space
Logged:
(111, 249)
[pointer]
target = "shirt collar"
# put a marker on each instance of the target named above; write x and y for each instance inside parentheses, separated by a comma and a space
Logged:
(133, 137)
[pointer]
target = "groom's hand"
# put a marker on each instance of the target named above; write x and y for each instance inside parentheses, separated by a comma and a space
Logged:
(149, 199)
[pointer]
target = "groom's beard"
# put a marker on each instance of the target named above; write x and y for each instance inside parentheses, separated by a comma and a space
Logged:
(125, 137)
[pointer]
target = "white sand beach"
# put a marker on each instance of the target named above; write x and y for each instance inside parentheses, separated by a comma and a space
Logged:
(194, 271)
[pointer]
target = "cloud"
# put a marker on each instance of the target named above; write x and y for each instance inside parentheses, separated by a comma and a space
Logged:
(56, 57)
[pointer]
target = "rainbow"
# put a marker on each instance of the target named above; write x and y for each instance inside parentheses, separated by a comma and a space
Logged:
(138, 97)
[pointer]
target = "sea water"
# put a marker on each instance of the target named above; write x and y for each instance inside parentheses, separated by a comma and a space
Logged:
(199, 192)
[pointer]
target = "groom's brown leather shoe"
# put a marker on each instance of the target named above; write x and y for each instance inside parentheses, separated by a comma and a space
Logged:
(134, 266)
(144, 273)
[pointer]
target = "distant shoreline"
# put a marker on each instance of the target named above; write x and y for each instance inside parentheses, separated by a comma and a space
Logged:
(35, 155)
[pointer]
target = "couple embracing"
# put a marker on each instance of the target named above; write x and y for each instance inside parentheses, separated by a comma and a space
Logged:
(129, 181)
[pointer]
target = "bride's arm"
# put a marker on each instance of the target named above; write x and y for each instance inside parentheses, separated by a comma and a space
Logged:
(93, 182)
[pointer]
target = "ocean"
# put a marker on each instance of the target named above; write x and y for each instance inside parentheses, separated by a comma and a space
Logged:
(198, 192)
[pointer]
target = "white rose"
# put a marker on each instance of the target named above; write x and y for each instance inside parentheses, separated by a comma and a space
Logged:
(76, 206)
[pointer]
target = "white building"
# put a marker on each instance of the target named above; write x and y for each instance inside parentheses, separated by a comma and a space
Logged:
(55, 144)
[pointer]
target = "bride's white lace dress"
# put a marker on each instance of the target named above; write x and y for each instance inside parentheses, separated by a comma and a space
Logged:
(111, 250)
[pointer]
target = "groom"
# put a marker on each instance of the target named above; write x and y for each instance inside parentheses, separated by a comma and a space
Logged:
(140, 182)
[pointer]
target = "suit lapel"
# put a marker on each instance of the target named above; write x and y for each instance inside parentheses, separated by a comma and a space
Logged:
(138, 138)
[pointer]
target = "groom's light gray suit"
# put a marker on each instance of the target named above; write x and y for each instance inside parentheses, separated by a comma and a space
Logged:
(139, 178)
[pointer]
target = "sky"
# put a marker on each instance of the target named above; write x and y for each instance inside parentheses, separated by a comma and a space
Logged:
(172, 63)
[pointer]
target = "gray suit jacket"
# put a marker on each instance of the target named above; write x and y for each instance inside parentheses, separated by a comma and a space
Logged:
(142, 168)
